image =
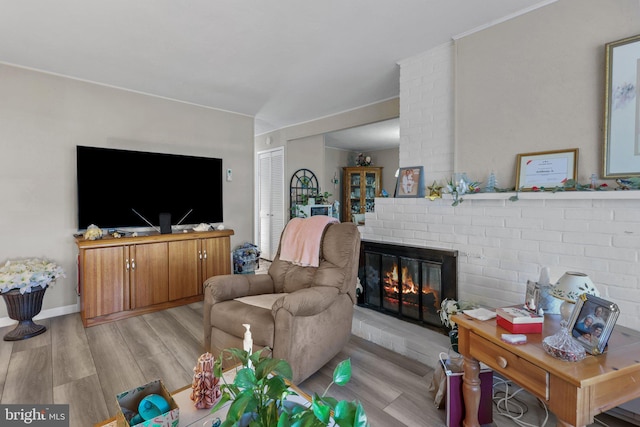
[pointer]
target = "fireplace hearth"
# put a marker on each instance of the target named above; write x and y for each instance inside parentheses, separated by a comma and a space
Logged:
(407, 282)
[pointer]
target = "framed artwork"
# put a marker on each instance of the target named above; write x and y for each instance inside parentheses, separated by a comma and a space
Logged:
(532, 297)
(409, 182)
(592, 322)
(546, 169)
(622, 109)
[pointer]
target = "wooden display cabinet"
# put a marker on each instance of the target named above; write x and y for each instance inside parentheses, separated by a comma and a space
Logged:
(129, 276)
(360, 187)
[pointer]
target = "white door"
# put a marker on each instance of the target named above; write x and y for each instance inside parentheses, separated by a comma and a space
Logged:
(270, 201)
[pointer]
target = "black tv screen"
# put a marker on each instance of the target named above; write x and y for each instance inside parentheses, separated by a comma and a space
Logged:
(113, 183)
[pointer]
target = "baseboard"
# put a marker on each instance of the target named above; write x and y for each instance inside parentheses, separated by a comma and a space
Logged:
(45, 314)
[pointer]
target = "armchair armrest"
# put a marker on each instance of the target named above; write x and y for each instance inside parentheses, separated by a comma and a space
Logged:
(307, 302)
(228, 287)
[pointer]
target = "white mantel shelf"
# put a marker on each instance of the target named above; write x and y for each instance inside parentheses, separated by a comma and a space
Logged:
(560, 195)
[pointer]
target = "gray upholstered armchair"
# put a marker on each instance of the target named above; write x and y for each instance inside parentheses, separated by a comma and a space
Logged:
(303, 313)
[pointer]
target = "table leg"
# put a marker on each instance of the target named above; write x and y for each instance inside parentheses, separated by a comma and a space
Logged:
(471, 391)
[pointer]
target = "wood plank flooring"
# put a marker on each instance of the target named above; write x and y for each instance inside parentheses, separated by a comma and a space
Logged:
(86, 368)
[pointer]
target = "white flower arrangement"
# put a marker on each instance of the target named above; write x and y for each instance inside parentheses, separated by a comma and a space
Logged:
(449, 307)
(26, 274)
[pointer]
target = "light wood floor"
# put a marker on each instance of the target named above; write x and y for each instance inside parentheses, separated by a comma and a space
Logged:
(86, 368)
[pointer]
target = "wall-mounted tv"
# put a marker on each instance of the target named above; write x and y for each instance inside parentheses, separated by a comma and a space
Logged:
(113, 183)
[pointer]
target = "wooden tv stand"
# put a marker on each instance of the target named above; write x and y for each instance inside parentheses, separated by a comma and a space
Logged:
(129, 276)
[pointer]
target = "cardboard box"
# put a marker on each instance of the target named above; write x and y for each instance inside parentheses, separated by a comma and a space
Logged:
(519, 328)
(131, 399)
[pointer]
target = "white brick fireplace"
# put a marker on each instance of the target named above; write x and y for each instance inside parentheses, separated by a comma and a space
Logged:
(502, 244)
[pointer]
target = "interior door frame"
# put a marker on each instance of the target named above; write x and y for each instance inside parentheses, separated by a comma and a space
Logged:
(257, 228)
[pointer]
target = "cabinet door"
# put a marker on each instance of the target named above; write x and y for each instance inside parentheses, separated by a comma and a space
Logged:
(216, 255)
(104, 281)
(149, 274)
(184, 269)
(370, 190)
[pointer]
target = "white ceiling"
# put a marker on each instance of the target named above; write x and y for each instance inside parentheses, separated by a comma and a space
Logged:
(371, 137)
(282, 61)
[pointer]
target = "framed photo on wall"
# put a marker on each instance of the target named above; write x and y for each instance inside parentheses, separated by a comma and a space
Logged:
(546, 169)
(409, 182)
(592, 322)
(622, 109)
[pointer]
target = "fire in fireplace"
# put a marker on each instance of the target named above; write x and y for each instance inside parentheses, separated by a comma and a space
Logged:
(407, 282)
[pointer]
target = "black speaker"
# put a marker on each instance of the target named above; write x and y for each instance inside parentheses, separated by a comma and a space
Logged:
(165, 223)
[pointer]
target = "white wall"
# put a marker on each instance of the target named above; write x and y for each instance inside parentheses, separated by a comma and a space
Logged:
(537, 83)
(42, 119)
(503, 244)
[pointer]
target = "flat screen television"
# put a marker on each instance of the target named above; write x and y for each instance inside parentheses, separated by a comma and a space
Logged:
(113, 183)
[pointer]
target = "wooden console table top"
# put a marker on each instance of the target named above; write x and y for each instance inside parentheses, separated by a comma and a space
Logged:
(574, 391)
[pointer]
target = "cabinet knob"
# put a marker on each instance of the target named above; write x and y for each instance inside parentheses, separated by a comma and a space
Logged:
(200, 254)
(126, 265)
(502, 362)
(133, 264)
(205, 254)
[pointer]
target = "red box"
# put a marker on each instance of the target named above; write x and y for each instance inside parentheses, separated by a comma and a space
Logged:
(519, 328)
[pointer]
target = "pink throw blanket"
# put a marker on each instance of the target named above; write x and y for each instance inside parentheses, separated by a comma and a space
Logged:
(301, 240)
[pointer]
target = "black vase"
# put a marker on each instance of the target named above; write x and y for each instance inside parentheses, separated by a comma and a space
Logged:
(453, 336)
(23, 308)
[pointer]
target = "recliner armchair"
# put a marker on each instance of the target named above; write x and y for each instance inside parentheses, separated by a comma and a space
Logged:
(303, 314)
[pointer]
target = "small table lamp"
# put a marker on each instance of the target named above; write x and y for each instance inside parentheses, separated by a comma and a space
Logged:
(569, 287)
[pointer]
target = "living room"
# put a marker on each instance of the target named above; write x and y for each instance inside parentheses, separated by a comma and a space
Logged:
(532, 83)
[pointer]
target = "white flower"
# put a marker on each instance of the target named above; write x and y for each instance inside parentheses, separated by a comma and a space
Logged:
(449, 307)
(27, 274)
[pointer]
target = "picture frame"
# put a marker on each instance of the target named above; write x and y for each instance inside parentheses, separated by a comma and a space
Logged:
(592, 322)
(410, 182)
(546, 170)
(622, 109)
(532, 297)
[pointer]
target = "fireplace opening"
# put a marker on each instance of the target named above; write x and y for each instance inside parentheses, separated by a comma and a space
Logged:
(407, 282)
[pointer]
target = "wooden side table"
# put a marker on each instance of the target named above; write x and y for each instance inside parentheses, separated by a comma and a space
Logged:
(574, 391)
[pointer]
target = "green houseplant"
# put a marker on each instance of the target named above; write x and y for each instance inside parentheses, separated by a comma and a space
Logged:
(259, 392)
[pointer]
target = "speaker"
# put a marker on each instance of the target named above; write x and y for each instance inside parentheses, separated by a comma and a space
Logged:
(165, 223)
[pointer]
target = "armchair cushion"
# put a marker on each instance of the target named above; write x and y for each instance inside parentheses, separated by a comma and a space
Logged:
(229, 317)
(264, 300)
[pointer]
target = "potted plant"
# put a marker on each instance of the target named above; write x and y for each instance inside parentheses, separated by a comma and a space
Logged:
(259, 393)
(22, 285)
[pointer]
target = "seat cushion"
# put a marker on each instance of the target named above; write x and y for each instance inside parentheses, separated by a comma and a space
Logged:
(229, 316)
(263, 300)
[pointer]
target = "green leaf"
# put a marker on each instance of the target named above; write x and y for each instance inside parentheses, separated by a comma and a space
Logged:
(244, 402)
(276, 388)
(278, 366)
(345, 413)
(322, 412)
(224, 399)
(284, 421)
(332, 402)
(360, 419)
(342, 373)
(245, 378)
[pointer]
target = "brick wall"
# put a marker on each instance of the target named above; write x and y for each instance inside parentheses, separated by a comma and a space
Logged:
(503, 244)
